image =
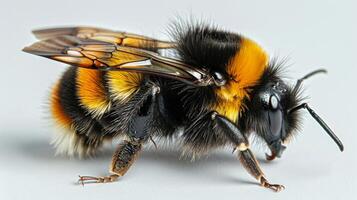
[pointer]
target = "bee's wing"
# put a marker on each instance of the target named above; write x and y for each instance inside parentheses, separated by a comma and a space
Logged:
(101, 55)
(106, 35)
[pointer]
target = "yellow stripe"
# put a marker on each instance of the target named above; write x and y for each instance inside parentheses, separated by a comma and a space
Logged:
(245, 69)
(60, 117)
(91, 91)
(123, 85)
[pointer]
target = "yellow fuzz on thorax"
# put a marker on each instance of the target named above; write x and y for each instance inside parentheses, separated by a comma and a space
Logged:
(123, 85)
(244, 69)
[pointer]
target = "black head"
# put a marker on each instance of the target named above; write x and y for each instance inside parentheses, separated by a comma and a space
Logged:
(272, 111)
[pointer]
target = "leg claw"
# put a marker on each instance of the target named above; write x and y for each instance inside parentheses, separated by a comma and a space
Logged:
(101, 179)
(275, 187)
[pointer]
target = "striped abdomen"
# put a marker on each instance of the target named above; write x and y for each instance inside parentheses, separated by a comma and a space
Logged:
(80, 102)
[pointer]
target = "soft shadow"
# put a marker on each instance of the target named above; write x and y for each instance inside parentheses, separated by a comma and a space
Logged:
(211, 168)
(39, 149)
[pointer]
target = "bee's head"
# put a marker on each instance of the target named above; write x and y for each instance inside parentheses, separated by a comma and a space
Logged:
(268, 112)
(275, 125)
(273, 111)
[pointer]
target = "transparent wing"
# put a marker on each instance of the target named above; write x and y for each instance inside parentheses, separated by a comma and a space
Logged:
(106, 35)
(101, 55)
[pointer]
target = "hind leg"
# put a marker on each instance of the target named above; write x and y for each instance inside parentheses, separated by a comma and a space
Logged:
(139, 127)
(123, 158)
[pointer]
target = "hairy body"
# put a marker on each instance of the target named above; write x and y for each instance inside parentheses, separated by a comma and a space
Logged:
(218, 88)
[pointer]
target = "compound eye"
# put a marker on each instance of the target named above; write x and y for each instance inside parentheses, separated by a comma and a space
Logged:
(274, 102)
(275, 123)
(219, 79)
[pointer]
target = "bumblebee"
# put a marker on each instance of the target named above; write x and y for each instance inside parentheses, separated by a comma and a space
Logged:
(206, 89)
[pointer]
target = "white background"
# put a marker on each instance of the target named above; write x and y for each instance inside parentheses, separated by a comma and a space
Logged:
(311, 33)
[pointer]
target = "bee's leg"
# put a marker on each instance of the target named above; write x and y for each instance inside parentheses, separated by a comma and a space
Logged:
(123, 158)
(138, 132)
(250, 163)
(246, 156)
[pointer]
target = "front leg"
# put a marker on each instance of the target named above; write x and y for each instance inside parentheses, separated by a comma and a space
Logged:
(249, 162)
(245, 155)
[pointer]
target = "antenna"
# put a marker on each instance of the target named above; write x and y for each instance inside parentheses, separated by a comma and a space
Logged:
(320, 121)
(299, 81)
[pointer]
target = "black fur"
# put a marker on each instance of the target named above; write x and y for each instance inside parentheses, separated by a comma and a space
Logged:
(202, 134)
(204, 46)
